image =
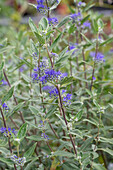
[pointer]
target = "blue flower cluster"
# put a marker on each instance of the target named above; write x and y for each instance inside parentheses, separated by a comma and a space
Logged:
(7, 131)
(98, 58)
(53, 21)
(54, 92)
(23, 68)
(76, 16)
(45, 136)
(80, 4)
(42, 6)
(18, 161)
(3, 82)
(51, 90)
(4, 105)
(73, 46)
(66, 98)
(42, 123)
(43, 74)
(86, 24)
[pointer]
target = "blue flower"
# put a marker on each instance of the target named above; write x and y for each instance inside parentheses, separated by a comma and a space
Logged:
(98, 58)
(73, 46)
(75, 15)
(86, 24)
(94, 78)
(1, 45)
(18, 161)
(4, 105)
(45, 136)
(41, 7)
(41, 123)
(53, 20)
(23, 68)
(66, 99)
(3, 82)
(63, 91)
(7, 131)
(81, 4)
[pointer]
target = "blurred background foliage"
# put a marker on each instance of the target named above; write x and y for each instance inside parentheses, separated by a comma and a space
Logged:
(22, 7)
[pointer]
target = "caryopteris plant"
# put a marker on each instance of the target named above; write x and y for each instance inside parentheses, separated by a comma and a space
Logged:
(56, 92)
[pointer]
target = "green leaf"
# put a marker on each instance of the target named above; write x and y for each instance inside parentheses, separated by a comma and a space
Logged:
(35, 138)
(96, 104)
(106, 140)
(5, 49)
(63, 52)
(95, 25)
(56, 41)
(40, 38)
(72, 29)
(31, 164)
(106, 42)
(44, 23)
(3, 142)
(26, 78)
(30, 151)
(89, 5)
(100, 24)
(22, 131)
(111, 22)
(88, 41)
(4, 151)
(51, 112)
(86, 144)
(1, 66)
(66, 81)
(32, 5)
(32, 26)
(62, 122)
(7, 161)
(33, 48)
(26, 62)
(8, 95)
(34, 110)
(68, 166)
(55, 5)
(92, 122)
(111, 105)
(97, 166)
(109, 151)
(16, 108)
(1, 76)
(85, 19)
(63, 153)
(63, 22)
(78, 115)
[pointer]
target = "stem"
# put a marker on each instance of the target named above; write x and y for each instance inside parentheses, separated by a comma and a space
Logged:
(49, 146)
(93, 72)
(43, 99)
(21, 115)
(64, 115)
(49, 57)
(9, 143)
(77, 41)
(48, 14)
(18, 151)
(83, 55)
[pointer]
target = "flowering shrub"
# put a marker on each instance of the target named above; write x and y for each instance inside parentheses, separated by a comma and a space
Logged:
(56, 93)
